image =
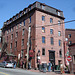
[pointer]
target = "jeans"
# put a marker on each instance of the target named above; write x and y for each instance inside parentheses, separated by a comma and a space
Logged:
(49, 68)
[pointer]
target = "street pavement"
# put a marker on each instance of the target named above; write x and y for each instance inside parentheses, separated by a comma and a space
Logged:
(18, 71)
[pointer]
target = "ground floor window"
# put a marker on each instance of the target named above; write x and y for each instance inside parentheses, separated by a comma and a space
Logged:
(73, 59)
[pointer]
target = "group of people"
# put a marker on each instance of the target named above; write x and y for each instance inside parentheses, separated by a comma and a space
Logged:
(45, 66)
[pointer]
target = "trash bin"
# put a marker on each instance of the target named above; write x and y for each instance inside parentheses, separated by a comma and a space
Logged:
(44, 66)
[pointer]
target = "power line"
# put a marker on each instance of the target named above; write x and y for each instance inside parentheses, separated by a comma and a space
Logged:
(56, 24)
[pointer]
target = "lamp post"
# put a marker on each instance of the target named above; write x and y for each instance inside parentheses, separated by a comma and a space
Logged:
(28, 44)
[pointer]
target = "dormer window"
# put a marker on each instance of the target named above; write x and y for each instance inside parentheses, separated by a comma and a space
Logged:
(24, 11)
(29, 8)
(43, 7)
(17, 17)
(20, 14)
(13, 18)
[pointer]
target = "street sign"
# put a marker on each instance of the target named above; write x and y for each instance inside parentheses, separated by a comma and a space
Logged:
(69, 58)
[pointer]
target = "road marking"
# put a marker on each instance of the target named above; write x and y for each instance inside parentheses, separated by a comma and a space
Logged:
(3, 73)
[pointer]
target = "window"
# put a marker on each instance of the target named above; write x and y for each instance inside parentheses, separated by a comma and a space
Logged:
(20, 24)
(59, 33)
(13, 18)
(43, 51)
(51, 20)
(11, 36)
(73, 59)
(43, 39)
(7, 31)
(11, 45)
(59, 42)
(30, 20)
(17, 26)
(0, 39)
(16, 34)
(52, 41)
(17, 17)
(22, 52)
(43, 18)
(59, 23)
(7, 38)
(22, 42)
(43, 29)
(23, 32)
(20, 14)
(16, 44)
(51, 31)
(0, 32)
(29, 8)
(70, 42)
(12, 29)
(58, 13)
(69, 35)
(24, 22)
(60, 53)
(43, 7)
(24, 11)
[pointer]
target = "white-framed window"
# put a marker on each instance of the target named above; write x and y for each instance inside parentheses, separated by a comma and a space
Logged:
(58, 13)
(51, 20)
(59, 22)
(51, 31)
(16, 26)
(59, 33)
(29, 19)
(43, 7)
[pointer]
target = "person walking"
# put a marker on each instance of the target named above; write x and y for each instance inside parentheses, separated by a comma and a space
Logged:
(49, 66)
(61, 68)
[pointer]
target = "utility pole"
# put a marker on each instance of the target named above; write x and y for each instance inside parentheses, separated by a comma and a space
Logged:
(29, 31)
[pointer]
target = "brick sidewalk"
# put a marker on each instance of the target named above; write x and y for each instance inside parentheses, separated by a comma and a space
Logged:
(49, 73)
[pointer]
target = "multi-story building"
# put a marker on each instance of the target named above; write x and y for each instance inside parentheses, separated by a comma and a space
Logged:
(70, 33)
(38, 28)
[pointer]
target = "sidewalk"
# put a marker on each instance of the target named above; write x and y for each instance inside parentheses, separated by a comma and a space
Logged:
(50, 73)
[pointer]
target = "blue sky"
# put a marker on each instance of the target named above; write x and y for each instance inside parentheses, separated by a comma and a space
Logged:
(9, 8)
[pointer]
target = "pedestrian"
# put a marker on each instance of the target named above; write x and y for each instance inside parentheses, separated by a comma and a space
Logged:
(53, 66)
(61, 68)
(15, 64)
(49, 66)
(44, 65)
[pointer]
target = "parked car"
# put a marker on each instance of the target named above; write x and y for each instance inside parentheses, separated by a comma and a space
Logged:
(6, 64)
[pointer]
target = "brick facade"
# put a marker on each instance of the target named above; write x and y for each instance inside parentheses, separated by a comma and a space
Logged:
(36, 12)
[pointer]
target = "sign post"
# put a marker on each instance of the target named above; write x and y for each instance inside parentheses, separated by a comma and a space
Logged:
(69, 58)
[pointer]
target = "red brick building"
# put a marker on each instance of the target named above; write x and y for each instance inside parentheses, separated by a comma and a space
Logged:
(47, 34)
(70, 33)
(72, 54)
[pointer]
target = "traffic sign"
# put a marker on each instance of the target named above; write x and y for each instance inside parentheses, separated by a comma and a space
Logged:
(69, 58)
